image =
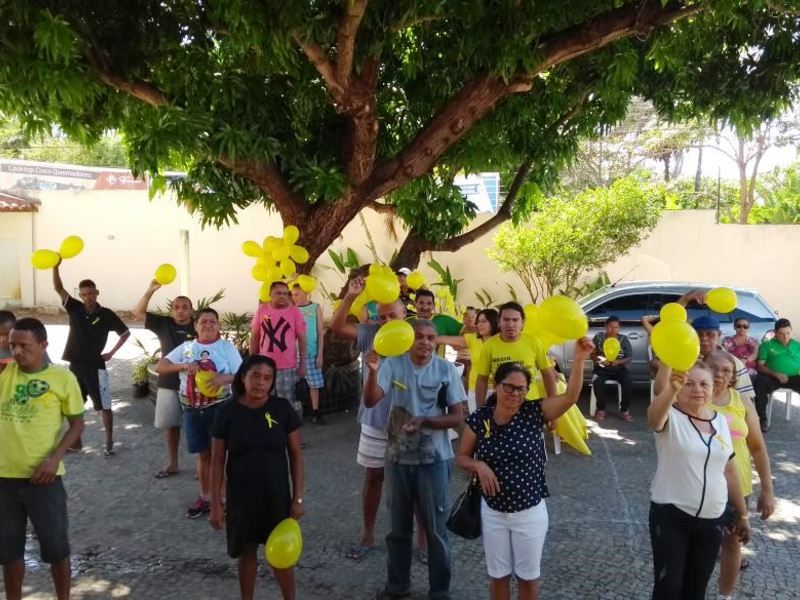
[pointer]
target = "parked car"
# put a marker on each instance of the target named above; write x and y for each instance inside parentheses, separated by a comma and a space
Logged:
(631, 301)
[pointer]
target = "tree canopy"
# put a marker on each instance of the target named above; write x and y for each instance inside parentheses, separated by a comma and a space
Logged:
(319, 109)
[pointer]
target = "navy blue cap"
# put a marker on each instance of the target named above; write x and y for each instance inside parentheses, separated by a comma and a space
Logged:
(705, 323)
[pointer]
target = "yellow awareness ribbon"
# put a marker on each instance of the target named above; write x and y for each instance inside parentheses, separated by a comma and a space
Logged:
(270, 420)
(487, 426)
(399, 384)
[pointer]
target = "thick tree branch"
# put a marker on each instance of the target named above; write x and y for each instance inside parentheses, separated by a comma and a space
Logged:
(137, 88)
(380, 207)
(480, 96)
(361, 139)
(324, 67)
(346, 39)
(266, 176)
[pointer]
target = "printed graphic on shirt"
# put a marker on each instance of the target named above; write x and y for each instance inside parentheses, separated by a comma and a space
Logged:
(276, 333)
(19, 407)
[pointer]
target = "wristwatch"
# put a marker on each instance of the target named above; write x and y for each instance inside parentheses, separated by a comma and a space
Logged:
(298, 500)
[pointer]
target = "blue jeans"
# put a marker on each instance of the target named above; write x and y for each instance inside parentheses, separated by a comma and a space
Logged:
(425, 487)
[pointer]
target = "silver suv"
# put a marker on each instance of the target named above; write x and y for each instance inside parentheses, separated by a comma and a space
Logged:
(631, 301)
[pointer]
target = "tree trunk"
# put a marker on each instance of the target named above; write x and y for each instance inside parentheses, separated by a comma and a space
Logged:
(698, 174)
(410, 251)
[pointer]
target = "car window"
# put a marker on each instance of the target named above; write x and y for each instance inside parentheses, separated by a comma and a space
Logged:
(628, 308)
(749, 307)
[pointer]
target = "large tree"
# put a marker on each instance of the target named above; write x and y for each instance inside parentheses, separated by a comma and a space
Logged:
(319, 109)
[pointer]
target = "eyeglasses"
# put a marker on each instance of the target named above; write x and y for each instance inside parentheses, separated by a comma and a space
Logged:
(515, 389)
(742, 326)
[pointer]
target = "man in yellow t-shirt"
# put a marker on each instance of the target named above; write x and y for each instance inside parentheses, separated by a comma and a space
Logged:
(35, 398)
(511, 345)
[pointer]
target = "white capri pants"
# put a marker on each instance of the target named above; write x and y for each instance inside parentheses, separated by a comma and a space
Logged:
(513, 542)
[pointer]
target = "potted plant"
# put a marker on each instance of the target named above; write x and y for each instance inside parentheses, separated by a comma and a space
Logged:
(140, 372)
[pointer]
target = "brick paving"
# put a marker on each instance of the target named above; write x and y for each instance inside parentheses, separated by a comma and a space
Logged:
(131, 540)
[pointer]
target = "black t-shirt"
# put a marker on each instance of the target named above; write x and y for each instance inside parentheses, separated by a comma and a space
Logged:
(170, 336)
(515, 453)
(88, 333)
(256, 440)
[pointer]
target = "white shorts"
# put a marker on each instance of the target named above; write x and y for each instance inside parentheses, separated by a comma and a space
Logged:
(513, 542)
(372, 447)
(168, 409)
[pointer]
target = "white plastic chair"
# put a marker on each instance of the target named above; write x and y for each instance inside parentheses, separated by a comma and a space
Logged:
(593, 398)
(788, 397)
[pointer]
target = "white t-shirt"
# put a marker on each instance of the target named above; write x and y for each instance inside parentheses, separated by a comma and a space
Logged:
(220, 356)
(691, 465)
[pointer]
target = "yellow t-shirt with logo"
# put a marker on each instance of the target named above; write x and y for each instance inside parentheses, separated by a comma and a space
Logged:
(526, 351)
(32, 411)
(474, 347)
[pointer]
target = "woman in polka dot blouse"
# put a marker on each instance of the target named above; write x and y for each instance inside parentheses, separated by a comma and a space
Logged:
(503, 447)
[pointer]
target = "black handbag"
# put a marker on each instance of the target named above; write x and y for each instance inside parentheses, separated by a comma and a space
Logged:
(465, 516)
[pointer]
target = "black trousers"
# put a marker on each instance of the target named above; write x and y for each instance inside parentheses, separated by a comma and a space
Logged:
(685, 550)
(765, 385)
(603, 392)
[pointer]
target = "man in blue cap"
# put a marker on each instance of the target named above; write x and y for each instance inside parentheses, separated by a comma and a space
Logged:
(707, 329)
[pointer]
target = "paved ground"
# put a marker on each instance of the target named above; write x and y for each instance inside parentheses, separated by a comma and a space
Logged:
(130, 539)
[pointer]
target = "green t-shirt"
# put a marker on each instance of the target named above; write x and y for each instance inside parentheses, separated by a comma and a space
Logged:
(446, 325)
(780, 358)
(33, 407)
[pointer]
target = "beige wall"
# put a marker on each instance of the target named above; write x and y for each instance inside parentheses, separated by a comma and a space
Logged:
(127, 236)
(16, 229)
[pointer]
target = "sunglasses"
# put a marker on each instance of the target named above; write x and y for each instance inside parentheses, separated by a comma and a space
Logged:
(742, 326)
(514, 389)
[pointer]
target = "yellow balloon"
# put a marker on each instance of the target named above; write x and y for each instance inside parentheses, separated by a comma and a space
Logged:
(165, 274)
(306, 283)
(415, 280)
(71, 247)
(251, 248)
(721, 300)
(284, 544)
(259, 272)
(383, 288)
(290, 235)
(532, 326)
(287, 267)
(611, 348)
(394, 338)
(202, 380)
(674, 311)
(281, 252)
(358, 303)
(676, 344)
(270, 243)
(562, 317)
(263, 292)
(547, 339)
(298, 254)
(267, 261)
(273, 274)
(45, 259)
(375, 269)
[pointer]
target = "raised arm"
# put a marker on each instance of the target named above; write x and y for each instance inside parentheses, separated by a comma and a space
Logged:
(648, 322)
(58, 285)
(340, 325)
(555, 406)
(372, 391)
(658, 410)
(140, 310)
(698, 296)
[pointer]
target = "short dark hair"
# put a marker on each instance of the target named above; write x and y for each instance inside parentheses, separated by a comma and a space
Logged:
(511, 306)
(83, 283)
(253, 361)
(421, 293)
(781, 323)
(613, 319)
(417, 323)
(7, 317)
(275, 284)
(35, 326)
(208, 310)
(189, 300)
(469, 308)
(505, 369)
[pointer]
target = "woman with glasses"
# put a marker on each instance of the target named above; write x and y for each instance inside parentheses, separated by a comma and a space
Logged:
(747, 442)
(742, 346)
(504, 449)
(486, 325)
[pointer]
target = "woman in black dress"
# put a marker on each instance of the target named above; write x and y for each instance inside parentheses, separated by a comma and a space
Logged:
(252, 434)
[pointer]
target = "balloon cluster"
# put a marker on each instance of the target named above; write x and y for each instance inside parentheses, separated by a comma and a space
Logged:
(47, 259)
(674, 341)
(558, 319)
(277, 259)
(382, 287)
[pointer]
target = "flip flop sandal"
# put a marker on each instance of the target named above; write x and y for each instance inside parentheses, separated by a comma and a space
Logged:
(359, 552)
(109, 452)
(164, 473)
